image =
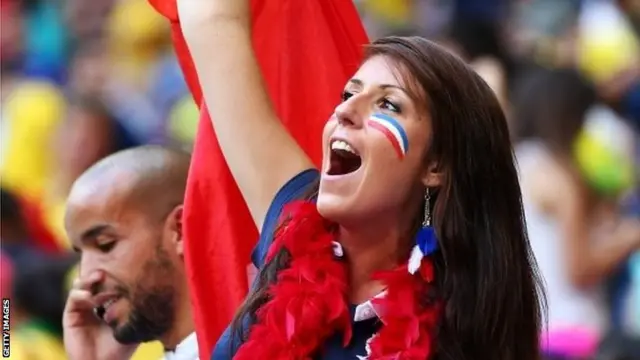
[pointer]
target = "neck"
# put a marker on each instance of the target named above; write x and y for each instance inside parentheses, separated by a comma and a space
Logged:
(370, 249)
(184, 325)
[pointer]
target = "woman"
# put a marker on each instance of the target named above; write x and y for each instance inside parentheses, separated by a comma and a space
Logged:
(578, 233)
(417, 133)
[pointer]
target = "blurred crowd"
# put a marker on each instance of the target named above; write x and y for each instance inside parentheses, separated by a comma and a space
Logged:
(82, 79)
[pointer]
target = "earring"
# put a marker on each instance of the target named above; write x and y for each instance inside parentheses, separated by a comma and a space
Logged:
(426, 242)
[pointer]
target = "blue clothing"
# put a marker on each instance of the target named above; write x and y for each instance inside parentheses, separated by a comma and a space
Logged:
(363, 329)
(294, 189)
(487, 10)
(631, 105)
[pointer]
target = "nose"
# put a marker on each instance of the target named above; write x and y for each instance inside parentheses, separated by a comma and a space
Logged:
(353, 112)
(88, 264)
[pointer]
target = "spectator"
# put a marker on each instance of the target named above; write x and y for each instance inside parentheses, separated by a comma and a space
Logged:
(88, 133)
(577, 235)
(124, 217)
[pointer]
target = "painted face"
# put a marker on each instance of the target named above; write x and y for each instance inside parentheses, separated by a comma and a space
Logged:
(138, 290)
(374, 147)
(392, 130)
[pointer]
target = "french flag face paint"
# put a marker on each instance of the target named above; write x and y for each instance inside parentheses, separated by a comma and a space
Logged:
(392, 130)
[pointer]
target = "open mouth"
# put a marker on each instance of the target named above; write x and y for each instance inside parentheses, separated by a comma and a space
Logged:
(344, 159)
(101, 309)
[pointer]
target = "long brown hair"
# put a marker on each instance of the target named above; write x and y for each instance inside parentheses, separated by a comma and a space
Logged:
(486, 273)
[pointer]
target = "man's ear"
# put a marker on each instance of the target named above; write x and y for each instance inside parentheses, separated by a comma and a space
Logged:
(175, 227)
(433, 176)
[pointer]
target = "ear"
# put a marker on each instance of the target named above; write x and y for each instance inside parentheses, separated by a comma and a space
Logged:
(433, 176)
(175, 227)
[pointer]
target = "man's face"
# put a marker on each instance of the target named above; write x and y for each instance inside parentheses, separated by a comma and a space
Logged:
(132, 251)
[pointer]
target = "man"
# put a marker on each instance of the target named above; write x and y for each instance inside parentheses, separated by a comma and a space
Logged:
(124, 217)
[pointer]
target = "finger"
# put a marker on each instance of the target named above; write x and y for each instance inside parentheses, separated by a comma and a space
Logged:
(80, 300)
(79, 310)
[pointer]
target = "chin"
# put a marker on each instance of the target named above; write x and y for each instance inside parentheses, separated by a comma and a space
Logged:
(340, 198)
(125, 334)
(130, 333)
(328, 208)
(335, 208)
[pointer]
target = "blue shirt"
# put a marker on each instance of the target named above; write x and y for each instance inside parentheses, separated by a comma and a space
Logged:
(631, 104)
(364, 320)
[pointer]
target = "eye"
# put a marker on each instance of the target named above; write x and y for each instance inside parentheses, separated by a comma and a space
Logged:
(386, 104)
(106, 246)
(346, 95)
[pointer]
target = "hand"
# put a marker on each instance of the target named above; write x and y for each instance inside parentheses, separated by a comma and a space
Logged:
(85, 336)
(194, 12)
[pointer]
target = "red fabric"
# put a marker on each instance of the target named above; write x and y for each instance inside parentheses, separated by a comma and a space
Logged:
(39, 231)
(309, 301)
(307, 50)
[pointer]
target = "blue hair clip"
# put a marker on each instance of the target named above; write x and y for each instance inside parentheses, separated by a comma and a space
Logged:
(426, 239)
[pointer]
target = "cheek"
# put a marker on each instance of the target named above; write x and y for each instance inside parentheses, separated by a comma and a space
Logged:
(392, 166)
(129, 261)
(389, 174)
(392, 131)
(419, 145)
(419, 135)
(328, 129)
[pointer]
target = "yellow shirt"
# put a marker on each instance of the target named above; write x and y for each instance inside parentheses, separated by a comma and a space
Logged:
(31, 343)
(42, 347)
(149, 351)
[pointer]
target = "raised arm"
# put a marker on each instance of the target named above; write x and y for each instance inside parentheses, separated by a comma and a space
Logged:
(259, 151)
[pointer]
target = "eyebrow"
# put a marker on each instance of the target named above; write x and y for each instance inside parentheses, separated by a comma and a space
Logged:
(92, 233)
(360, 83)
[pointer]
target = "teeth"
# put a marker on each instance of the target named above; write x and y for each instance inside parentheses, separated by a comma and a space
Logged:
(108, 303)
(342, 145)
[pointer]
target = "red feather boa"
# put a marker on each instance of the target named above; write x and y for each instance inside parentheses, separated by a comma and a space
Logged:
(309, 301)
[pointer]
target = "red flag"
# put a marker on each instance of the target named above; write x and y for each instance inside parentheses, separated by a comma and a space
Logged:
(307, 50)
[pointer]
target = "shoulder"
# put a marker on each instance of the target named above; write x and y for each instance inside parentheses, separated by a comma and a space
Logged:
(228, 343)
(296, 188)
(546, 181)
(223, 349)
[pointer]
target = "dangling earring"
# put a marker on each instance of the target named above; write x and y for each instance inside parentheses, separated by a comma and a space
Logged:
(426, 241)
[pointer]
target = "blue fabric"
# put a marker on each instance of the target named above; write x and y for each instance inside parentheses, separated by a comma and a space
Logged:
(45, 43)
(620, 283)
(362, 331)
(631, 105)
(333, 349)
(292, 190)
(295, 189)
(489, 10)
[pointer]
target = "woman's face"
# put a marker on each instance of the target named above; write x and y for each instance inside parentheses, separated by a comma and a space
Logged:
(374, 147)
